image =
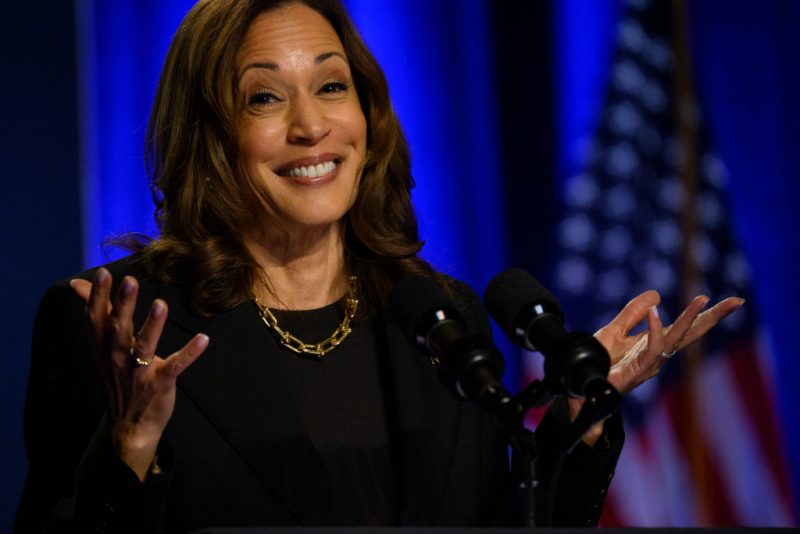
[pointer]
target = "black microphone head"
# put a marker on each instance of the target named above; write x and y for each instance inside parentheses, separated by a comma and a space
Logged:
(512, 292)
(471, 365)
(413, 299)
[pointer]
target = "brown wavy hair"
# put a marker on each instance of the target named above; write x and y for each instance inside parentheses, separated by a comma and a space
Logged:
(191, 160)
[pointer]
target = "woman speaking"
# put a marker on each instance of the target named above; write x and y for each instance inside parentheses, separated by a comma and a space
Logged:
(241, 369)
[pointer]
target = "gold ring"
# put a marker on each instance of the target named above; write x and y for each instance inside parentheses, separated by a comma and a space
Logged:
(137, 361)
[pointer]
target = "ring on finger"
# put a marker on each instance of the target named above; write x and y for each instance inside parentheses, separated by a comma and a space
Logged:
(137, 361)
(668, 355)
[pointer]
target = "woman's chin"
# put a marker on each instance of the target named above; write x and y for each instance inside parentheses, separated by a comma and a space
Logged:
(314, 222)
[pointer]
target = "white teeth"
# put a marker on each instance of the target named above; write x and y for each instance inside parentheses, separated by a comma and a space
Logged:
(311, 171)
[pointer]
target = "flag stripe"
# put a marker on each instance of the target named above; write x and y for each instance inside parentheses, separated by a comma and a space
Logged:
(731, 435)
(749, 376)
(673, 474)
(711, 502)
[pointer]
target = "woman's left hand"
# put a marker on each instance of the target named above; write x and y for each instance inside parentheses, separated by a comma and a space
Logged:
(637, 358)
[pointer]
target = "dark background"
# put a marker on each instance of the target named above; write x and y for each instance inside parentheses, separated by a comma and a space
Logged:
(41, 218)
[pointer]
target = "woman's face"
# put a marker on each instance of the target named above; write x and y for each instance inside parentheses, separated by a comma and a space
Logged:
(302, 134)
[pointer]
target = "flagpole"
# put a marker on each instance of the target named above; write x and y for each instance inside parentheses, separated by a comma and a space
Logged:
(686, 121)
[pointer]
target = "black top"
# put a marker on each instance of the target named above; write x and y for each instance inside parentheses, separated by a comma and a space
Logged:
(340, 400)
(237, 450)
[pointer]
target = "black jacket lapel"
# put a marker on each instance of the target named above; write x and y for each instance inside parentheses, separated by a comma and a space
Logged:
(425, 420)
(241, 390)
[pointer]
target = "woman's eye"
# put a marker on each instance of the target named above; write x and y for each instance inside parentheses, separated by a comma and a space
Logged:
(334, 87)
(262, 98)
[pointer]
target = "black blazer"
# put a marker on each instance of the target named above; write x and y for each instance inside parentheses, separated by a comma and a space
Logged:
(236, 453)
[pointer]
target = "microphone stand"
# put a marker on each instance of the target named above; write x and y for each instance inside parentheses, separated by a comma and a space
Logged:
(508, 412)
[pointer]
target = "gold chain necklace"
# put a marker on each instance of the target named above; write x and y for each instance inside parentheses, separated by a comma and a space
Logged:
(326, 345)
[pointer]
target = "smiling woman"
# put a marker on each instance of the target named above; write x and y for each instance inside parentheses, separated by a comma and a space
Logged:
(302, 90)
(302, 141)
(249, 372)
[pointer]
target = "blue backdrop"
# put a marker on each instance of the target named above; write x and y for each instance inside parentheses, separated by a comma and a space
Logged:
(440, 59)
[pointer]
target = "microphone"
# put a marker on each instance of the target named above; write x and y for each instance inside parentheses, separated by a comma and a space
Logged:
(429, 318)
(531, 317)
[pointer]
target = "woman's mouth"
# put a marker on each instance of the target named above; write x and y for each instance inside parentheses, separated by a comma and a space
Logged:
(309, 171)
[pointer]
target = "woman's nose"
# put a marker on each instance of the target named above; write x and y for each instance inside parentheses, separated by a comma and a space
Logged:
(307, 121)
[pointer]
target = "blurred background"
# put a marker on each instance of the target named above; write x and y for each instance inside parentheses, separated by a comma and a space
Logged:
(605, 146)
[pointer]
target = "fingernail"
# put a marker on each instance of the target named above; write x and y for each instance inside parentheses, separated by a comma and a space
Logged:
(72, 283)
(158, 309)
(704, 300)
(101, 275)
(202, 341)
(127, 287)
(654, 311)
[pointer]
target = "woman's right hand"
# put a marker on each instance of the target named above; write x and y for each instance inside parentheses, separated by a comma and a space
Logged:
(142, 396)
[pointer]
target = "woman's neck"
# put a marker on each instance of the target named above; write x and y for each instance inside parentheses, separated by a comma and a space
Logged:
(304, 270)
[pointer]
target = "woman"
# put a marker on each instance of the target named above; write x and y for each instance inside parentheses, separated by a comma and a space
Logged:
(240, 383)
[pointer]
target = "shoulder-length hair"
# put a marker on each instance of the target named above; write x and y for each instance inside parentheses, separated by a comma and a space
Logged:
(191, 158)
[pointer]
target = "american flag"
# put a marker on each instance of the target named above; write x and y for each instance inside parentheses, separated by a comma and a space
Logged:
(648, 212)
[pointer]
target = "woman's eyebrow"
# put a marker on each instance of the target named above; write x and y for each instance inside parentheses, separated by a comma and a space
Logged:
(327, 55)
(274, 66)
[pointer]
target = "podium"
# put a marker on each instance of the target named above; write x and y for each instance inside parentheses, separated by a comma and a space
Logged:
(468, 530)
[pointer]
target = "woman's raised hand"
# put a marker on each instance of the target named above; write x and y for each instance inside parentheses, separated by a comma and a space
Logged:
(637, 358)
(140, 384)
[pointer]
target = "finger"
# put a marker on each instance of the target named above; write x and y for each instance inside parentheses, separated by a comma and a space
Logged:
(655, 336)
(120, 323)
(181, 360)
(97, 306)
(676, 332)
(709, 318)
(634, 312)
(147, 339)
(82, 287)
